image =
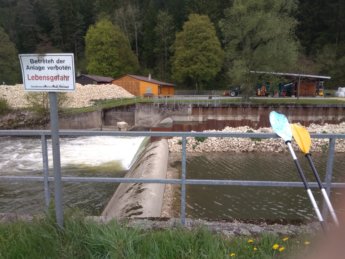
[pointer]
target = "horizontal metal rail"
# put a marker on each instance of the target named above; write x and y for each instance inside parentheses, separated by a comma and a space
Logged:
(45, 134)
(73, 179)
(75, 133)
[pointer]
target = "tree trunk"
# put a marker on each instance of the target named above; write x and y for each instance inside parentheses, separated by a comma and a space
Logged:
(136, 39)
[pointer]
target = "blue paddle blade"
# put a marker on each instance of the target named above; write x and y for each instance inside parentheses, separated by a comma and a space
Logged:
(280, 125)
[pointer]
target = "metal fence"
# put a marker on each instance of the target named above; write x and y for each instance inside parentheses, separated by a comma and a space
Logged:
(45, 134)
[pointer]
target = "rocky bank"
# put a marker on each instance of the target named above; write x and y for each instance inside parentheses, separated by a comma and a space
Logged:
(213, 144)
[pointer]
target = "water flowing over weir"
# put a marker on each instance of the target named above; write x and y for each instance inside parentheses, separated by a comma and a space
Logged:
(81, 156)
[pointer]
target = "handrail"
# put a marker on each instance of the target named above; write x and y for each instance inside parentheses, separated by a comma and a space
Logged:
(44, 134)
(77, 133)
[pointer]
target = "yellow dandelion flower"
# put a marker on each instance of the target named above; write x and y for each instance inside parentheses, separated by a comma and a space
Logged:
(281, 249)
(255, 249)
(275, 246)
(306, 243)
(250, 241)
(285, 239)
(232, 254)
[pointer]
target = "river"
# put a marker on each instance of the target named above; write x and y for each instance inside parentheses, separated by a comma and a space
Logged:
(112, 156)
(81, 156)
(254, 203)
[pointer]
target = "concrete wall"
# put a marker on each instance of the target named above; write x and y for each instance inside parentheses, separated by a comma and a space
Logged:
(258, 115)
(150, 115)
(137, 199)
(87, 120)
(114, 115)
(237, 115)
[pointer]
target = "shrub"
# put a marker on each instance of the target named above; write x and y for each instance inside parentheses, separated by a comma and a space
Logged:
(4, 107)
(200, 139)
(39, 102)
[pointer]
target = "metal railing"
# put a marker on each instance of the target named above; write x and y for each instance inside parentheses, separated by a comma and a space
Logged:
(44, 134)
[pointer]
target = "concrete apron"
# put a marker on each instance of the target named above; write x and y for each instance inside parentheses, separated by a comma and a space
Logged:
(138, 199)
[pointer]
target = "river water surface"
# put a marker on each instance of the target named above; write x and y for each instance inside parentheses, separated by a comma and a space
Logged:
(254, 203)
(112, 156)
(82, 156)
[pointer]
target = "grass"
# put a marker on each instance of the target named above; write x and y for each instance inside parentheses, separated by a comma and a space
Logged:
(88, 239)
(300, 101)
(105, 104)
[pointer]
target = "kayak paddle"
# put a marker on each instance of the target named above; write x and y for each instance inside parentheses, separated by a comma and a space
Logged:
(303, 140)
(281, 127)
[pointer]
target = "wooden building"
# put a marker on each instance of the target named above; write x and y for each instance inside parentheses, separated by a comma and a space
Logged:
(93, 80)
(144, 86)
(300, 84)
(307, 87)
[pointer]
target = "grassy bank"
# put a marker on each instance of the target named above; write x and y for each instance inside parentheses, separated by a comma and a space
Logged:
(87, 239)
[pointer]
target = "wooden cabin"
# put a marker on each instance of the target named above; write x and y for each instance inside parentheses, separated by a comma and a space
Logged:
(144, 86)
(93, 80)
(307, 87)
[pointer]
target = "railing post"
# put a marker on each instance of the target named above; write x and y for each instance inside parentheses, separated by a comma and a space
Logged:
(45, 171)
(183, 183)
(54, 124)
(329, 174)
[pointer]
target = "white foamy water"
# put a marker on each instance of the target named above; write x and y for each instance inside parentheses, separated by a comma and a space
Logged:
(18, 155)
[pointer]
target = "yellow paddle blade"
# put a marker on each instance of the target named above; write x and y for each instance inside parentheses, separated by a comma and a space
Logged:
(302, 137)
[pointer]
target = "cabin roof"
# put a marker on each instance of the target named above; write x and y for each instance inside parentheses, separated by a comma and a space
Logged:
(150, 80)
(293, 75)
(98, 78)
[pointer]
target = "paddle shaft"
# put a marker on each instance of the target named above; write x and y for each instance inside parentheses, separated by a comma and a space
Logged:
(323, 191)
(306, 186)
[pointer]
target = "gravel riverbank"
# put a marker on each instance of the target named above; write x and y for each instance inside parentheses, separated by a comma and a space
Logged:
(212, 144)
(83, 96)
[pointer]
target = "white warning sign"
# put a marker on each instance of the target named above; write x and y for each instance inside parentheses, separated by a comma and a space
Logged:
(48, 72)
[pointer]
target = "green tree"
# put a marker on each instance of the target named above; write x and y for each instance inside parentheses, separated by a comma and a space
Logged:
(331, 62)
(149, 37)
(259, 35)
(165, 31)
(26, 27)
(321, 23)
(198, 55)
(105, 7)
(108, 52)
(213, 9)
(72, 27)
(128, 19)
(9, 65)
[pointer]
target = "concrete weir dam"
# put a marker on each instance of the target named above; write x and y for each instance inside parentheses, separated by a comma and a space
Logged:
(137, 199)
(203, 116)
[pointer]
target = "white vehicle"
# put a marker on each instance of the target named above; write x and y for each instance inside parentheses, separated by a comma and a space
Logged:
(340, 92)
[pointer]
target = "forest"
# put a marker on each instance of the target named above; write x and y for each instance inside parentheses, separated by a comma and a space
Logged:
(194, 43)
